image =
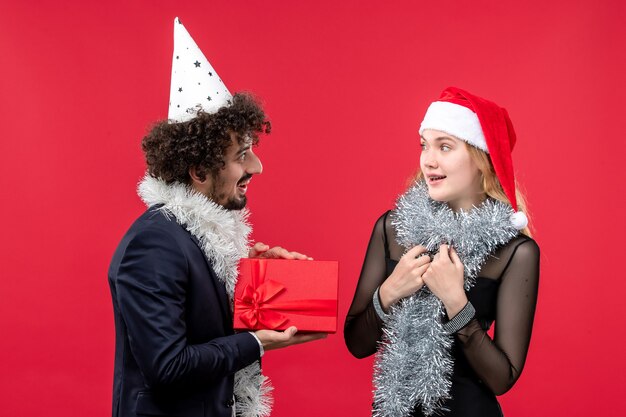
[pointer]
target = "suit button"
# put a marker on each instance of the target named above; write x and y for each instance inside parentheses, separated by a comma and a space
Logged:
(229, 403)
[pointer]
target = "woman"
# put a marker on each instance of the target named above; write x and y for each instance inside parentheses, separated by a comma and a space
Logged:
(454, 256)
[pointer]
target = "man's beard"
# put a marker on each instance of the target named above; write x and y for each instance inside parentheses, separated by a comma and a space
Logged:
(234, 202)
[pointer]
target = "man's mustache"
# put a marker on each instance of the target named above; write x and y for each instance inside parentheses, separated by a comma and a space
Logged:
(244, 178)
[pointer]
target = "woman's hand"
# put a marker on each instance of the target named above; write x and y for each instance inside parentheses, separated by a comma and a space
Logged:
(406, 278)
(261, 250)
(444, 277)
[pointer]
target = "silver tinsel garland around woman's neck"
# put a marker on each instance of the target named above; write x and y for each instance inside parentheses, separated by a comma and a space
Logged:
(414, 363)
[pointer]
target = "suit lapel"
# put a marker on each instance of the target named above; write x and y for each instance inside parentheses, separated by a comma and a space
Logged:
(220, 288)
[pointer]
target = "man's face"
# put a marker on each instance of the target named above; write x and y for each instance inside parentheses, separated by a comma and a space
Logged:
(229, 185)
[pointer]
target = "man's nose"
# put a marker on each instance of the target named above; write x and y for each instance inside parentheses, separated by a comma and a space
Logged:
(255, 166)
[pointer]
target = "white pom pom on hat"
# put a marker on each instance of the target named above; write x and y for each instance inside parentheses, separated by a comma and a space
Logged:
(519, 220)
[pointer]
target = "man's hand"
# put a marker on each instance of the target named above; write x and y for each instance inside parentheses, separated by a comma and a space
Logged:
(261, 250)
(271, 339)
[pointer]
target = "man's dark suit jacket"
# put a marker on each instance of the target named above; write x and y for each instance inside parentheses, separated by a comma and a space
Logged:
(175, 349)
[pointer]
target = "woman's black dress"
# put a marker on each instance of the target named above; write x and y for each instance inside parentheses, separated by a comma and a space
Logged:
(505, 292)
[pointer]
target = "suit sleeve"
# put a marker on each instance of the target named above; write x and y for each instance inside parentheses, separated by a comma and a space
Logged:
(151, 293)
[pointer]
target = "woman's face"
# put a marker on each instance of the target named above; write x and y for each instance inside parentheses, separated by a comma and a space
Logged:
(449, 170)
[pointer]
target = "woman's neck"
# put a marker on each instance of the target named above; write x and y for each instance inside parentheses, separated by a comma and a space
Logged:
(467, 204)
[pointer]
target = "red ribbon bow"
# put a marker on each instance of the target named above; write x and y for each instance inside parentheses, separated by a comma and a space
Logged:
(256, 307)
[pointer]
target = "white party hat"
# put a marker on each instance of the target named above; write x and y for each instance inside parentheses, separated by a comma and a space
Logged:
(195, 84)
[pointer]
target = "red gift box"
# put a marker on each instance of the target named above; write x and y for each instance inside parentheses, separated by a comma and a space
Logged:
(279, 293)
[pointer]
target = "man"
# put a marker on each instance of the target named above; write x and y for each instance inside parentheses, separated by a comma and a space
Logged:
(172, 276)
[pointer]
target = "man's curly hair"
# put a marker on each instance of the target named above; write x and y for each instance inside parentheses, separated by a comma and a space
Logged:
(172, 148)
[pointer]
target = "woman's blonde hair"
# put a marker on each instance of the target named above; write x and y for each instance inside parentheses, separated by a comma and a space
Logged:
(490, 183)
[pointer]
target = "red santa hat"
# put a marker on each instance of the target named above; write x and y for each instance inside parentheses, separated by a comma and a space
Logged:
(483, 124)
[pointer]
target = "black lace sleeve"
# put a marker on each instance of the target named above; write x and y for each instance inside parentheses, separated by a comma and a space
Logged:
(499, 362)
(363, 327)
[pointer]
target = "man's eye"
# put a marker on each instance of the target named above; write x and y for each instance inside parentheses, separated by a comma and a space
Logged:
(423, 146)
(242, 157)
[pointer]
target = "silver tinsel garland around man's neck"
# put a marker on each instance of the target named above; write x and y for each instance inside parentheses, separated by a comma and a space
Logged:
(414, 363)
(223, 237)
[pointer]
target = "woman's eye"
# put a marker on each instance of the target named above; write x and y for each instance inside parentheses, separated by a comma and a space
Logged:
(423, 146)
(445, 148)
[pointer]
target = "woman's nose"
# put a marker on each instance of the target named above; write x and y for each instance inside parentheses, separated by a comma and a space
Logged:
(430, 161)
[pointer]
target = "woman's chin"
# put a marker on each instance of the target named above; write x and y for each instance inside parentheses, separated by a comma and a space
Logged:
(437, 196)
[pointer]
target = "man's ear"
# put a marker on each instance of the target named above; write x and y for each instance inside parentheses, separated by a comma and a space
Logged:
(199, 176)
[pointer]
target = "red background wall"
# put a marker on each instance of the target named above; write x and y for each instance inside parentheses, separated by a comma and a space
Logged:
(346, 84)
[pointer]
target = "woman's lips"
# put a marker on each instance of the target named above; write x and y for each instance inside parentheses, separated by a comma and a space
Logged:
(435, 179)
